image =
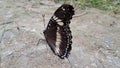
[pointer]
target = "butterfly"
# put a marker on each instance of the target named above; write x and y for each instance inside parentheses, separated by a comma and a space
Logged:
(57, 33)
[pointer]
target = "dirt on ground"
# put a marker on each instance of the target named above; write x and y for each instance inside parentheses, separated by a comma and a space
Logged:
(96, 37)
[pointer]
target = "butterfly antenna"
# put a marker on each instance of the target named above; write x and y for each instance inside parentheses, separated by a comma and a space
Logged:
(79, 15)
(43, 15)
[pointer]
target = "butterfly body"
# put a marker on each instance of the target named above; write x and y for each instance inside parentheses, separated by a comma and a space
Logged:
(58, 34)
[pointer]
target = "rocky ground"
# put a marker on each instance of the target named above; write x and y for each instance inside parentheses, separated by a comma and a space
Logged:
(96, 37)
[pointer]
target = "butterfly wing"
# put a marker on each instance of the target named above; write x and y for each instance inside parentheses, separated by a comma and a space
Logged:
(66, 41)
(50, 35)
(58, 33)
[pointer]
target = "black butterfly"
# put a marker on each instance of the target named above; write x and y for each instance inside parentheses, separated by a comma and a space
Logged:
(58, 33)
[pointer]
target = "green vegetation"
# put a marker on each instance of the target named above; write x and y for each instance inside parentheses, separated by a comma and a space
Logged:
(112, 5)
(101, 4)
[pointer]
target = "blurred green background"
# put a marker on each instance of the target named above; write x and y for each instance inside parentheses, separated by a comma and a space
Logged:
(110, 5)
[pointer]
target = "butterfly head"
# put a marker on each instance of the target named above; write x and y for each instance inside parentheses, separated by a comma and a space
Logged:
(65, 12)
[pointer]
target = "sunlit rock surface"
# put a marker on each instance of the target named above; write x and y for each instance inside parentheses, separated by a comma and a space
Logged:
(96, 37)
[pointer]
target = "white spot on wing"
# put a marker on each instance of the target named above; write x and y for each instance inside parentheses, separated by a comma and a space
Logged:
(63, 9)
(58, 34)
(60, 23)
(58, 28)
(55, 18)
(58, 41)
(57, 50)
(49, 24)
(58, 20)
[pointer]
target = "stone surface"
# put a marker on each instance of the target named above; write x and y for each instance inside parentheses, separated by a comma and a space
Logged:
(96, 37)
